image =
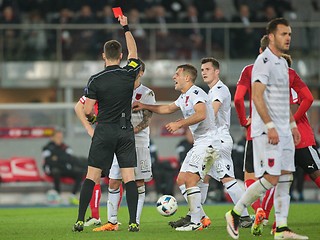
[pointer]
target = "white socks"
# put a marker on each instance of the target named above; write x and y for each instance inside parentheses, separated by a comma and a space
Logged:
(112, 204)
(141, 197)
(235, 191)
(194, 201)
(255, 190)
(282, 199)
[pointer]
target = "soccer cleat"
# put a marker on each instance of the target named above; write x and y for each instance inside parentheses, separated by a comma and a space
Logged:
(92, 221)
(190, 227)
(232, 224)
(133, 227)
(286, 233)
(78, 226)
(257, 226)
(206, 222)
(107, 227)
(211, 156)
(180, 222)
(246, 221)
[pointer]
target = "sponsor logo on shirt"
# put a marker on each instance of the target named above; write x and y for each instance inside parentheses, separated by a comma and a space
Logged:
(265, 60)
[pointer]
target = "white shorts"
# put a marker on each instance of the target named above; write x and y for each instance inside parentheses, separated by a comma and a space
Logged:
(143, 169)
(194, 160)
(223, 165)
(271, 159)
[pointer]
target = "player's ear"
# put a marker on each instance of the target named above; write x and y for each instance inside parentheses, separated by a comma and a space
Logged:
(103, 56)
(121, 54)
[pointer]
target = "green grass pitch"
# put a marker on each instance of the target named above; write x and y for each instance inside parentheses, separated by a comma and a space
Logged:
(55, 223)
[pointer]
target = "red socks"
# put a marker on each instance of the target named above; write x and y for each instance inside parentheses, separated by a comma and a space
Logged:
(95, 201)
(121, 194)
(267, 202)
(317, 181)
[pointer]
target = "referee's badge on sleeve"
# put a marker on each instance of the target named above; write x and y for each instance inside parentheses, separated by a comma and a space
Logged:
(133, 64)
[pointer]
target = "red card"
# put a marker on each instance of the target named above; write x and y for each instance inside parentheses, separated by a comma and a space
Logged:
(117, 12)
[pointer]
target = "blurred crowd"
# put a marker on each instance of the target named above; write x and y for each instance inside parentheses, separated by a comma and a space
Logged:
(41, 44)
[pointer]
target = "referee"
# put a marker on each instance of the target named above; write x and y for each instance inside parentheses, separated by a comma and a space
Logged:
(112, 88)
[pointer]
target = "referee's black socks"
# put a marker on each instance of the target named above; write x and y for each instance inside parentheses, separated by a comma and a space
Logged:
(85, 197)
(132, 200)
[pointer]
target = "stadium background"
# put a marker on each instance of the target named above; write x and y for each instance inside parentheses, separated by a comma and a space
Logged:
(48, 50)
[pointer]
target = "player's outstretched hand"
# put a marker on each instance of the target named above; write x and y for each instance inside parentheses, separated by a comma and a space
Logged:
(123, 20)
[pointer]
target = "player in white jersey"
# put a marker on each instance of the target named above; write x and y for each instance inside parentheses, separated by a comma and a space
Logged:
(198, 116)
(222, 169)
(273, 141)
(140, 120)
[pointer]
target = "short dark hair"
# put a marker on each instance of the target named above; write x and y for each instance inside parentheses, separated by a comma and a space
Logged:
(112, 49)
(273, 24)
(214, 62)
(190, 70)
(264, 42)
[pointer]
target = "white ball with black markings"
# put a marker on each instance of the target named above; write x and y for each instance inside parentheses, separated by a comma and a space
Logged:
(167, 205)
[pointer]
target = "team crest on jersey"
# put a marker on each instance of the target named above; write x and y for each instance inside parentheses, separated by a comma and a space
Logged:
(133, 64)
(271, 162)
(196, 92)
(265, 60)
(138, 96)
(187, 99)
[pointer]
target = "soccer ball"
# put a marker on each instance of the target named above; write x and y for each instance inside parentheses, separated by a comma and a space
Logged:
(167, 205)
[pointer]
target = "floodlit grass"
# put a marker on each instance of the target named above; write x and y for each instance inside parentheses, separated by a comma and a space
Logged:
(55, 223)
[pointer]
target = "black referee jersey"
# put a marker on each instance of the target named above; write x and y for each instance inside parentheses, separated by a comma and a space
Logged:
(113, 89)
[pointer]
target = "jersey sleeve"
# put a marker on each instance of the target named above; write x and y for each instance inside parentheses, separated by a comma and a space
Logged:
(220, 94)
(149, 98)
(241, 91)
(91, 89)
(261, 70)
(300, 94)
(296, 82)
(197, 97)
(245, 77)
(177, 102)
(133, 67)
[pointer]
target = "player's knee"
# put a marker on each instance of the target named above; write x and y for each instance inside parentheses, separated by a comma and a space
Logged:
(114, 183)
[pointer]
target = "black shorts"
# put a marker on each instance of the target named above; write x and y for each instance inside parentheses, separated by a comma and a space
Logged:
(248, 157)
(307, 158)
(110, 139)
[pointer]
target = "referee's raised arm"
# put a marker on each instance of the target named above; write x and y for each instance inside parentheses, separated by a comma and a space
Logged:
(131, 43)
